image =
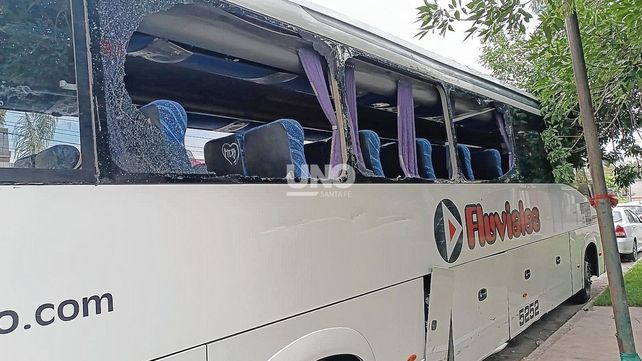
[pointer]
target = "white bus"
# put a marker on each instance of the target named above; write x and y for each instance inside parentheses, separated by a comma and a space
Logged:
(161, 195)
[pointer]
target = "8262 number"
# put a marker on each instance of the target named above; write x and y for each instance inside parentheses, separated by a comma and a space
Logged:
(528, 313)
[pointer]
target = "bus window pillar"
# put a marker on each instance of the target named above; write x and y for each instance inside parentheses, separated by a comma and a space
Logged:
(337, 56)
(448, 110)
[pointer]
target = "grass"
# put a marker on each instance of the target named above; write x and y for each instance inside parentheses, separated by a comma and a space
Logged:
(633, 286)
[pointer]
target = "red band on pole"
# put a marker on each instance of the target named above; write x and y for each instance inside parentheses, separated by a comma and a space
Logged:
(612, 199)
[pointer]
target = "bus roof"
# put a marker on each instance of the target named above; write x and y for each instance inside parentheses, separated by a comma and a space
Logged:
(328, 23)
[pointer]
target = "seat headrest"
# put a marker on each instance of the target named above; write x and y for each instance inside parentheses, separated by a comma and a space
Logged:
(487, 164)
(58, 157)
(26, 162)
(370, 147)
(168, 116)
(224, 156)
(274, 149)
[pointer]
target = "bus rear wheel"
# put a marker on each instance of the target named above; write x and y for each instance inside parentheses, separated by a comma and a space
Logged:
(584, 295)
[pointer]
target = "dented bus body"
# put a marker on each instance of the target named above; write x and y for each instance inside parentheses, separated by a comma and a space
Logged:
(173, 211)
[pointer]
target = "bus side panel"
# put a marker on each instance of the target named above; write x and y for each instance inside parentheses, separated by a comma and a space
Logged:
(197, 354)
(480, 305)
(379, 318)
(539, 281)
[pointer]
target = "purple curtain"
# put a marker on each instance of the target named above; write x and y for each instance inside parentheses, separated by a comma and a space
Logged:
(351, 89)
(312, 64)
(406, 129)
(509, 144)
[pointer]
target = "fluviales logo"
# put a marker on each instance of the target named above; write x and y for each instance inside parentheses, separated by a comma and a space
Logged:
(481, 228)
(449, 233)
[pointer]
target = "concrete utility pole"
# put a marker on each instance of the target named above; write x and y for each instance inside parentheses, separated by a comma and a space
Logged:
(625, 340)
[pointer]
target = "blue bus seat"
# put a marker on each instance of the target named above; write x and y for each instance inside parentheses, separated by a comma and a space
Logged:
(171, 119)
(466, 165)
(424, 159)
(370, 147)
(224, 156)
(392, 165)
(168, 116)
(274, 149)
(487, 164)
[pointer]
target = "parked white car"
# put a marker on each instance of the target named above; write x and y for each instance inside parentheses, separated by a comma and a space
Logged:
(628, 230)
(634, 207)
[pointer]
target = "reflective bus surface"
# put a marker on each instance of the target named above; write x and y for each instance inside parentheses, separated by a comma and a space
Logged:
(234, 180)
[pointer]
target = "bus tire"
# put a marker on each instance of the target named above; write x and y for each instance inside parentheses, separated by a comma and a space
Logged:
(584, 295)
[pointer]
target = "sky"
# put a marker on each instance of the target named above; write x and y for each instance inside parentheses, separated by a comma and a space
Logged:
(397, 17)
(67, 131)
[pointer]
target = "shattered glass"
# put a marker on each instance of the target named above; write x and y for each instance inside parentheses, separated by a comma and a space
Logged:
(136, 145)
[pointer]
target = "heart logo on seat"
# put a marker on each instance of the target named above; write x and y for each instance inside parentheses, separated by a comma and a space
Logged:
(231, 152)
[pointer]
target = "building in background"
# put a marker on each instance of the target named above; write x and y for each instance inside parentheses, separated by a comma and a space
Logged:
(5, 152)
(636, 191)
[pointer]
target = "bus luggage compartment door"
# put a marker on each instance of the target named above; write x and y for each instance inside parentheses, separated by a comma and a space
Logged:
(540, 280)
(439, 314)
(476, 296)
(480, 308)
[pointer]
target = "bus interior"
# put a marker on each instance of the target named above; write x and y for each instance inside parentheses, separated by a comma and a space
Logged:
(245, 92)
(217, 92)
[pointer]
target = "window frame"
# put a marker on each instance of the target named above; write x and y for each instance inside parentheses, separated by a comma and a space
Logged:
(633, 219)
(442, 90)
(87, 173)
(110, 173)
(496, 108)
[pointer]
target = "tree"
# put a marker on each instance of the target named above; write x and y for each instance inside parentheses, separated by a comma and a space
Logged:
(3, 117)
(537, 58)
(36, 52)
(33, 133)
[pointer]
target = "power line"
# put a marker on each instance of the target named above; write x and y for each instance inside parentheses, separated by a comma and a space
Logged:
(47, 139)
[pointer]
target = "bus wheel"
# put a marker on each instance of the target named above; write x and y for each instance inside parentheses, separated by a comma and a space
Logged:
(584, 295)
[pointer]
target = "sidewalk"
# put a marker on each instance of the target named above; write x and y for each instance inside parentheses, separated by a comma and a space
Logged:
(588, 336)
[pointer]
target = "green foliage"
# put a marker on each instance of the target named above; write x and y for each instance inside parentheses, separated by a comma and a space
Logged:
(3, 117)
(35, 27)
(36, 53)
(632, 285)
(486, 18)
(625, 175)
(609, 175)
(538, 60)
(33, 134)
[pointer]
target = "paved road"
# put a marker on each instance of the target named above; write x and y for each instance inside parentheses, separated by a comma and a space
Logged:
(528, 341)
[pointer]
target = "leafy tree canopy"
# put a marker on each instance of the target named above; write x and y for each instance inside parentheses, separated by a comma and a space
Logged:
(36, 53)
(533, 54)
